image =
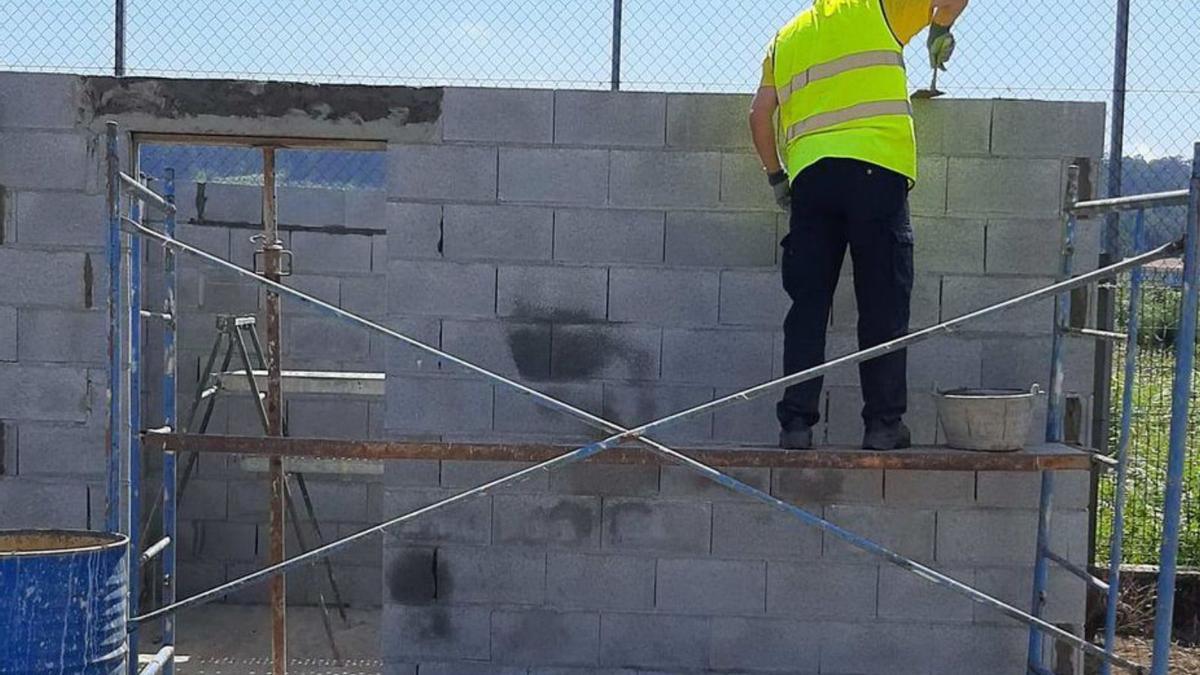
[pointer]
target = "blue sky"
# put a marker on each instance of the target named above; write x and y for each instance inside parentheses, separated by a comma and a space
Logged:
(1011, 48)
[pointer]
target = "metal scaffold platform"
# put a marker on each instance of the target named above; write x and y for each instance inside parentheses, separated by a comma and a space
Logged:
(129, 439)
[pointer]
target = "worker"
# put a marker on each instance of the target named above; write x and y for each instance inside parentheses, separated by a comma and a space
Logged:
(835, 75)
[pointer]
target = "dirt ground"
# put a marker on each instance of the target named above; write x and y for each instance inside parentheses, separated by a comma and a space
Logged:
(235, 640)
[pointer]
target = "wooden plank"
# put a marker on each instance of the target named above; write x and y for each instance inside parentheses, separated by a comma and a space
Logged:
(1049, 456)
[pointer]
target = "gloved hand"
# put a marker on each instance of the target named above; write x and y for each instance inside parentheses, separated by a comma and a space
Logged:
(782, 188)
(941, 46)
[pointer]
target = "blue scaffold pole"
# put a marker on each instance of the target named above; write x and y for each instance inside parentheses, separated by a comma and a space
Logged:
(135, 428)
(1181, 393)
(170, 416)
(112, 501)
(1117, 543)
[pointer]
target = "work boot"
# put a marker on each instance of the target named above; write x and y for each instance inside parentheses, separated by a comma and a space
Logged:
(796, 436)
(887, 436)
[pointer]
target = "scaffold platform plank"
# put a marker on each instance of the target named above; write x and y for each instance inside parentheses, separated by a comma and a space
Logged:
(1052, 456)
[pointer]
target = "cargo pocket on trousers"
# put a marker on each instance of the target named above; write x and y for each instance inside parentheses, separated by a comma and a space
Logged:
(902, 257)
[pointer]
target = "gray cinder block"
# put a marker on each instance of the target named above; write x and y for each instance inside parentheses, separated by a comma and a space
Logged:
(466, 522)
(58, 336)
(312, 206)
(929, 487)
(752, 423)
(414, 231)
(599, 582)
(664, 296)
(498, 233)
(822, 590)
(632, 405)
(436, 404)
(208, 499)
(654, 641)
(728, 358)
(505, 115)
(708, 121)
(1066, 593)
(442, 172)
(892, 648)
(1048, 129)
(24, 163)
(744, 184)
(491, 575)
(470, 474)
(317, 253)
(665, 179)
(616, 351)
(365, 296)
(953, 127)
(609, 119)
(557, 521)
(984, 649)
(40, 101)
(948, 245)
(1005, 187)
(962, 295)
(508, 347)
(909, 532)
(711, 586)
(1022, 489)
(1025, 246)
(773, 645)
(324, 339)
(828, 486)
(403, 358)
(30, 504)
(366, 208)
(546, 637)
(60, 450)
(608, 480)
(8, 333)
(720, 239)
(559, 294)
(753, 530)
(44, 393)
(437, 632)
(657, 525)
(681, 481)
(41, 278)
(62, 220)
(554, 175)
(520, 415)
(928, 197)
(434, 288)
(904, 596)
(979, 536)
(753, 298)
(608, 236)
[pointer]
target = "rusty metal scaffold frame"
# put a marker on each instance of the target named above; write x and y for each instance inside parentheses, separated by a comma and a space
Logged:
(169, 440)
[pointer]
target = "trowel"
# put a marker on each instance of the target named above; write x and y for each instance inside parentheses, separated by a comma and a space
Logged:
(932, 91)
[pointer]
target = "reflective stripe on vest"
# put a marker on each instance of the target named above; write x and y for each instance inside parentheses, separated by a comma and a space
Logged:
(854, 112)
(837, 67)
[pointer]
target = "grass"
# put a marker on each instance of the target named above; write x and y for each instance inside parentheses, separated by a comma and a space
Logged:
(1149, 439)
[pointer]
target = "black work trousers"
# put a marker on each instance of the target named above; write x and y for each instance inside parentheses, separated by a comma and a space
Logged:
(838, 203)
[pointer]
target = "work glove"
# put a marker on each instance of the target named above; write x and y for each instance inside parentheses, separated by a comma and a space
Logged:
(941, 46)
(782, 189)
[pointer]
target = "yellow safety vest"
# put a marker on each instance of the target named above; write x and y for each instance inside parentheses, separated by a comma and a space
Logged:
(839, 76)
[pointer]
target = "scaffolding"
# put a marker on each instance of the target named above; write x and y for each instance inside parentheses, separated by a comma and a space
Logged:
(127, 438)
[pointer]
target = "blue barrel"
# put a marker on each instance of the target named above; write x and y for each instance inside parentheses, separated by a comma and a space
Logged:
(62, 602)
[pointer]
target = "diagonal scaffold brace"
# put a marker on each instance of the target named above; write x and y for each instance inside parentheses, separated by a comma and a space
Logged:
(639, 434)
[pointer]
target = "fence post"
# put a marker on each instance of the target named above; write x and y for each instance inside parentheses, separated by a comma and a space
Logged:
(618, 19)
(119, 39)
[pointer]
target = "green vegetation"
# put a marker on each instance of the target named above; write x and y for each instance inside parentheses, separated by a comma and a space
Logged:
(1150, 432)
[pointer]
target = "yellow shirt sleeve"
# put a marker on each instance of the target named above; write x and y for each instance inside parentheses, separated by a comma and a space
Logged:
(768, 69)
(907, 17)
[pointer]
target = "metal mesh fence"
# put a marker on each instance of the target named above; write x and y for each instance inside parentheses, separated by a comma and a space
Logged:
(1007, 48)
(1151, 425)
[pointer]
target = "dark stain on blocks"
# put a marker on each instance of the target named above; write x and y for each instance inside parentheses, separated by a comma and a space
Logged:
(589, 351)
(412, 578)
(89, 282)
(180, 99)
(810, 486)
(627, 515)
(578, 517)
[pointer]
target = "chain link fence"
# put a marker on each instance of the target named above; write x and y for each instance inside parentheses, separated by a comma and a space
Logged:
(1007, 48)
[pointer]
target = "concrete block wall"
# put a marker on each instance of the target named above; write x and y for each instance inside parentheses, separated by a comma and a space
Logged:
(618, 569)
(631, 265)
(631, 269)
